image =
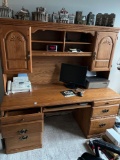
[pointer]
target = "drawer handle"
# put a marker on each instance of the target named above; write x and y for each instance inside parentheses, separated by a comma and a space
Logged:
(22, 120)
(107, 103)
(102, 125)
(105, 110)
(23, 138)
(22, 131)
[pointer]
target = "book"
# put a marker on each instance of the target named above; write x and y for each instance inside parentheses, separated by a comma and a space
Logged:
(68, 93)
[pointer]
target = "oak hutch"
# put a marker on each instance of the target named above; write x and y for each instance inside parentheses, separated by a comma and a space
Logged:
(23, 50)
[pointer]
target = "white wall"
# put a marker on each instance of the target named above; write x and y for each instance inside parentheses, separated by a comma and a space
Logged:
(95, 6)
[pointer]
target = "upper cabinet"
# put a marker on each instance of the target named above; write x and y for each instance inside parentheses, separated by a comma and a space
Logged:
(16, 49)
(104, 50)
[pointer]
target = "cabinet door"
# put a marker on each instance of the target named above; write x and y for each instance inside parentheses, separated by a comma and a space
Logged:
(16, 49)
(103, 52)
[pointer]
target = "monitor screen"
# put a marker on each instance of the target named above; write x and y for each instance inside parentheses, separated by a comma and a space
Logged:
(73, 75)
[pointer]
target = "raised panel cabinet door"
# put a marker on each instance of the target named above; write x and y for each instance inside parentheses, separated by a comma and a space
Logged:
(104, 50)
(16, 49)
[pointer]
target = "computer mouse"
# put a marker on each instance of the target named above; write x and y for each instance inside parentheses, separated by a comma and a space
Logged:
(80, 94)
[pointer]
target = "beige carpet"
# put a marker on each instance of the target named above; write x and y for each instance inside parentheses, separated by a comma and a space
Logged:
(62, 140)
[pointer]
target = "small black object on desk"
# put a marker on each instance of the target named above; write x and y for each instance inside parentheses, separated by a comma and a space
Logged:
(80, 94)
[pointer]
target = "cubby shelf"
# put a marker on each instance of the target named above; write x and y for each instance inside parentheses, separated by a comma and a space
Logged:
(77, 43)
(38, 41)
(46, 53)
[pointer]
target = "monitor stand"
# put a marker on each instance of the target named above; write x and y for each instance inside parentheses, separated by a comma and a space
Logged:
(71, 85)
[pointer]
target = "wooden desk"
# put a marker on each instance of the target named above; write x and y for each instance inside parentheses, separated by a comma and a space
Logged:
(49, 95)
(23, 113)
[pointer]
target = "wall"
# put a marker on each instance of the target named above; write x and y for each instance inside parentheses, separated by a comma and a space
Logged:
(99, 6)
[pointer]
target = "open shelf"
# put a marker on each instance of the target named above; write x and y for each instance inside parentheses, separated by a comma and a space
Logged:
(37, 41)
(46, 53)
(77, 43)
(64, 41)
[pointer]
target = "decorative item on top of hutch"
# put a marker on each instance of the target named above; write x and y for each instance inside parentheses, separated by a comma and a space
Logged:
(40, 14)
(90, 18)
(98, 19)
(105, 19)
(63, 17)
(111, 20)
(79, 18)
(5, 11)
(23, 14)
(5, 3)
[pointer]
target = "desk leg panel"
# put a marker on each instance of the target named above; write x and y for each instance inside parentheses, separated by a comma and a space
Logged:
(82, 116)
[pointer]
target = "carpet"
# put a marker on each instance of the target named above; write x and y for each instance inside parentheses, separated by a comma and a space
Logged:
(62, 140)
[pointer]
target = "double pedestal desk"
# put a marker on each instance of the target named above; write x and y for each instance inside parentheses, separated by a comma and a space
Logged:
(22, 121)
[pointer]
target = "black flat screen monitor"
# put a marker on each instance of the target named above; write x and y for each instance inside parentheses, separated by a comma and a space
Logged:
(73, 75)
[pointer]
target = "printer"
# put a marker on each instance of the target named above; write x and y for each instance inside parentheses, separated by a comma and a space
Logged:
(96, 82)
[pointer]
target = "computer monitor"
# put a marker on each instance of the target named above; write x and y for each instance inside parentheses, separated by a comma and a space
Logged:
(73, 75)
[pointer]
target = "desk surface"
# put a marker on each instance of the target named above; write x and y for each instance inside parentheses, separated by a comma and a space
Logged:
(49, 95)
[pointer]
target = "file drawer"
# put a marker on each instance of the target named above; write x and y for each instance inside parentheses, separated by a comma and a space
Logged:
(20, 116)
(23, 142)
(12, 130)
(100, 125)
(106, 102)
(105, 110)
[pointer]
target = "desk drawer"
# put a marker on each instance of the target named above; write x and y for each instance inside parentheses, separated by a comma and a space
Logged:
(20, 116)
(100, 125)
(106, 102)
(13, 144)
(12, 130)
(105, 110)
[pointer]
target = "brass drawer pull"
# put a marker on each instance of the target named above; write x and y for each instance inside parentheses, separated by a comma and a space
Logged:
(23, 138)
(105, 110)
(102, 125)
(22, 120)
(22, 131)
(107, 103)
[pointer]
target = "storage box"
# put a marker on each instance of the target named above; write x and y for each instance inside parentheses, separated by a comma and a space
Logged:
(113, 136)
